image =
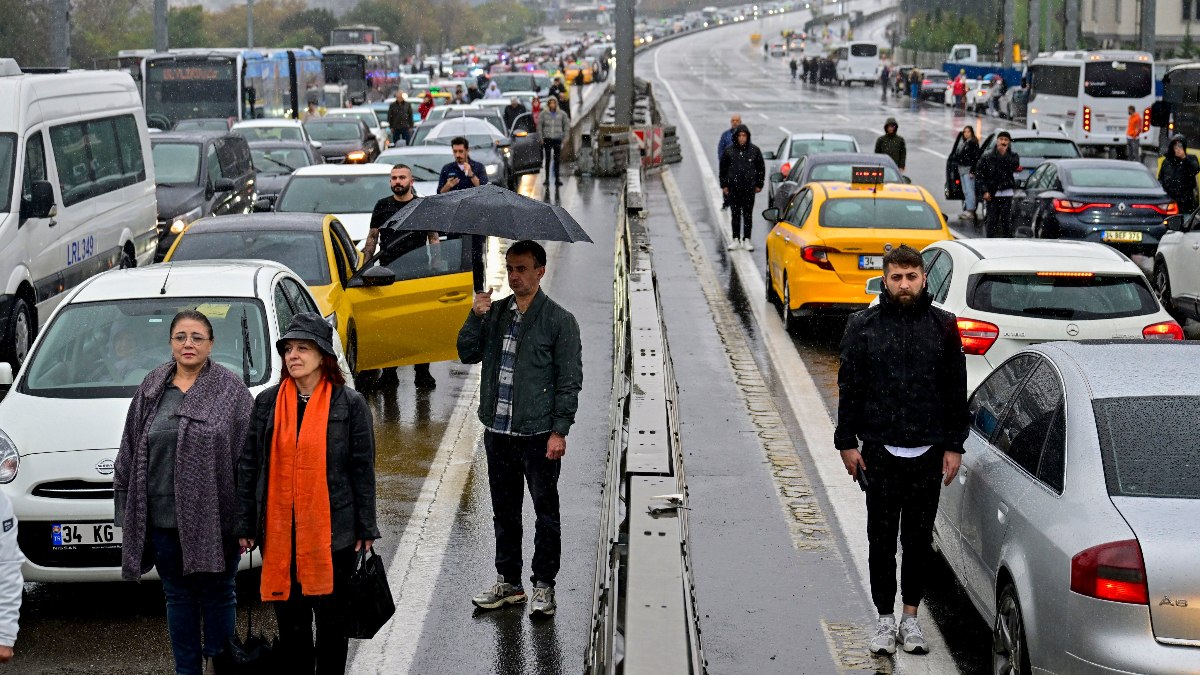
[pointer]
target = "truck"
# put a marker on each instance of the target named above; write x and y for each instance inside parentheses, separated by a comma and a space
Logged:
(966, 57)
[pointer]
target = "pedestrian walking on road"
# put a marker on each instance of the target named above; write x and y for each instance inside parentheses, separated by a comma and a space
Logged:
(793, 66)
(723, 144)
(552, 125)
(400, 119)
(885, 76)
(306, 495)
(1177, 174)
(742, 172)
(965, 158)
(891, 143)
(174, 489)
(312, 112)
(902, 384)
(960, 90)
(11, 580)
(514, 112)
(994, 171)
(1133, 133)
(914, 85)
(528, 394)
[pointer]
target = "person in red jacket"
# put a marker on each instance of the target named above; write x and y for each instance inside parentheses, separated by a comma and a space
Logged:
(960, 90)
(426, 106)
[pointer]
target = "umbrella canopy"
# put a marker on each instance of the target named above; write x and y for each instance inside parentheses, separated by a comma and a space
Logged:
(490, 210)
(471, 127)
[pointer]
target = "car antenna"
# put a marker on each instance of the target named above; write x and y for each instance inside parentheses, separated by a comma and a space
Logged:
(163, 290)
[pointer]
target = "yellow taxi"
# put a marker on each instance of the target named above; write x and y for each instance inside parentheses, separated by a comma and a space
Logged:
(832, 236)
(573, 69)
(400, 307)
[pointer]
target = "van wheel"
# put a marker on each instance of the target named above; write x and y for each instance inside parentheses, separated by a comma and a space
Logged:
(21, 331)
(127, 261)
(1010, 654)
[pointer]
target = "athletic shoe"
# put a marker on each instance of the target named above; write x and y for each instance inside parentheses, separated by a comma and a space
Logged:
(884, 641)
(747, 245)
(966, 215)
(911, 639)
(734, 245)
(543, 601)
(500, 594)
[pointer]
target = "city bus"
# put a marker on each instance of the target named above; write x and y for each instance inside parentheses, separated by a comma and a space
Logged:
(363, 68)
(1087, 95)
(235, 84)
(355, 35)
(857, 62)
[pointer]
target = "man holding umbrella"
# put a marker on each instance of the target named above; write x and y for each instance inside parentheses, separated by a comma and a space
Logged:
(462, 174)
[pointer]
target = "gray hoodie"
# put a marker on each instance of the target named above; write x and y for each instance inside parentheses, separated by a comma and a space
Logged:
(553, 126)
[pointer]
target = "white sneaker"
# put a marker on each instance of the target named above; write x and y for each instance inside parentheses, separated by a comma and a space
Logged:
(884, 641)
(747, 245)
(911, 639)
(734, 245)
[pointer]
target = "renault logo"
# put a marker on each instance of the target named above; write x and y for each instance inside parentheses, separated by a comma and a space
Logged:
(1072, 330)
(104, 467)
(1121, 206)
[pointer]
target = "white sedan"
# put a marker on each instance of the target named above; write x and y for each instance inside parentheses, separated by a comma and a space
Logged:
(273, 130)
(95, 350)
(348, 191)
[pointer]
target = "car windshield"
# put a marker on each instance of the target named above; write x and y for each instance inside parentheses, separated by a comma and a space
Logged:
(890, 214)
(1066, 297)
(368, 118)
(424, 167)
(1162, 464)
(334, 194)
(475, 140)
(807, 146)
(257, 133)
(127, 338)
(278, 160)
(8, 149)
(1118, 79)
(842, 172)
(1111, 177)
(864, 50)
(1048, 148)
(937, 77)
(176, 163)
(202, 125)
(302, 251)
(333, 130)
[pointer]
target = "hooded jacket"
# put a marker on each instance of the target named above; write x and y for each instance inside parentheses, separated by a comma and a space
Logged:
(742, 166)
(1178, 176)
(994, 171)
(903, 377)
(892, 144)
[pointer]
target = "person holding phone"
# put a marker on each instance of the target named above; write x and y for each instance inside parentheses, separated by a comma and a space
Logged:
(465, 173)
(902, 384)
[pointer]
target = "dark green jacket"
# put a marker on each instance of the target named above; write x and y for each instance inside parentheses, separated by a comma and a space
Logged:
(548, 373)
(892, 145)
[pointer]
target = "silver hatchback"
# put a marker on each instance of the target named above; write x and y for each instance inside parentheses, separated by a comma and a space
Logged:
(1075, 520)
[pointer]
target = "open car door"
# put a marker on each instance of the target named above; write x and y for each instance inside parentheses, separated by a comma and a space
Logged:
(526, 145)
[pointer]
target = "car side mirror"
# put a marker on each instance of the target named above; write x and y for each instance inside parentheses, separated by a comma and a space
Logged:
(316, 145)
(906, 179)
(771, 214)
(264, 205)
(875, 286)
(503, 144)
(769, 154)
(223, 185)
(6, 375)
(41, 203)
(1174, 223)
(378, 276)
(777, 177)
(520, 134)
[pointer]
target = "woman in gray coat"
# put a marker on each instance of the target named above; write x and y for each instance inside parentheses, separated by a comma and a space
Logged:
(174, 489)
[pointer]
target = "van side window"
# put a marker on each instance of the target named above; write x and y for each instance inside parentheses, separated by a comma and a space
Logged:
(70, 154)
(98, 156)
(35, 165)
(231, 167)
(130, 143)
(106, 155)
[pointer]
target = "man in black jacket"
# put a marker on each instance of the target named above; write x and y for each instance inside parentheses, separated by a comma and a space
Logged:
(400, 119)
(742, 174)
(995, 175)
(903, 385)
(1177, 174)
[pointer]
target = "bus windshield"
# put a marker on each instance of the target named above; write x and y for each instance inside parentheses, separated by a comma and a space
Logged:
(179, 89)
(1118, 79)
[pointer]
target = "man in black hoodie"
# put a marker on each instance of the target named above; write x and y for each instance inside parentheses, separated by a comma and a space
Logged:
(995, 175)
(1178, 174)
(903, 392)
(742, 176)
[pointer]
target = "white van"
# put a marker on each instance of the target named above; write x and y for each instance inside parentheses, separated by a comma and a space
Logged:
(76, 190)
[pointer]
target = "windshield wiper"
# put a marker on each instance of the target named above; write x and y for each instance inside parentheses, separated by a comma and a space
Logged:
(276, 162)
(425, 168)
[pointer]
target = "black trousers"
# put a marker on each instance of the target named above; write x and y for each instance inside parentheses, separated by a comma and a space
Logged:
(299, 652)
(902, 497)
(513, 463)
(741, 212)
(551, 153)
(999, 217)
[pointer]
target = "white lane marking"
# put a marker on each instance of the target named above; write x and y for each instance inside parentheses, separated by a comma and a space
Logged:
(785, 131)
(763, 115)
(933, 152)
(808, 407)
(841, 116)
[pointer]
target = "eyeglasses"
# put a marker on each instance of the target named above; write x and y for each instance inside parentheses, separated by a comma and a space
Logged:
(182, 339)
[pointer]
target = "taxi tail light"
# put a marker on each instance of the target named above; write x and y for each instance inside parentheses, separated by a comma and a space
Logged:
(977, 336)
(818, 255)
(1068, 206)
(1167, 330)
(1113, 571)
(786, 168)
(1146, 121)
(1087, 118)
(1168, 209)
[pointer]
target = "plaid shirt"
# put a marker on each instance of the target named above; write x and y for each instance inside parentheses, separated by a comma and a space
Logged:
(508, 359)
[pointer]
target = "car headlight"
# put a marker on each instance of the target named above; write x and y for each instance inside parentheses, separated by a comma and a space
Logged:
(492, 169)
(179, 223)
(10, 459)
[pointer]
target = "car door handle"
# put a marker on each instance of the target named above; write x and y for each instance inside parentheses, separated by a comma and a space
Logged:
(1002, 513)
(454, 296)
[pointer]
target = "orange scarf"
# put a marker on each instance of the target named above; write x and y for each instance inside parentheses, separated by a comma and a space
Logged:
(298, 485)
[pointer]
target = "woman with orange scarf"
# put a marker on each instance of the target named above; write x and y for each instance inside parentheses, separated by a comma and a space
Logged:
(306, 494)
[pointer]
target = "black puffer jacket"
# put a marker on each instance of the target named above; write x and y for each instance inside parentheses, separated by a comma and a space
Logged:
(742, 166)
(995, 171)
(349, 468)
(968, 152)
(903, 377)
(1178, 176)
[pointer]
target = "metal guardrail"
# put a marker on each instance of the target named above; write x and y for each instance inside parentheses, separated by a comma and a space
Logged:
(644, 612)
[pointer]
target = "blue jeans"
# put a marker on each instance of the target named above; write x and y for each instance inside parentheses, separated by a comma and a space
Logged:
(968, 187)
(207, 596)
(915, 89)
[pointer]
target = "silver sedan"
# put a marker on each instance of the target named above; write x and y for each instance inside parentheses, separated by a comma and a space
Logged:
(1074, 521)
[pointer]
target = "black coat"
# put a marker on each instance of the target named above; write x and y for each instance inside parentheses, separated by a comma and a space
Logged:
(1178, 179)
(349, 465)
(742, 167)
(903, 378)
(968, 153)
(995, 171)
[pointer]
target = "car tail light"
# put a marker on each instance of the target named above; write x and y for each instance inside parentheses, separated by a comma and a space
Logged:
(1168, 209)
(1068, 206)
(924, 83)
(786, 168)
(1074, 275)
(1167, 330)
(1146, 121)
(977, 336)
(818, 255)
(1087, 118)
(1113, 571)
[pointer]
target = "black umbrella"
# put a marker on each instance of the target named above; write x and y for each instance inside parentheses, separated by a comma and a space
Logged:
(490, 210)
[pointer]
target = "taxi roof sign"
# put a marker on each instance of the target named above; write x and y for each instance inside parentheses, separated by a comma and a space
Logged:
(866, 175)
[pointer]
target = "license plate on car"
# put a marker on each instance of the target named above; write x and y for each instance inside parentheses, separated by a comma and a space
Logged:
(870, 262)
(63, 535)
(1122, 236)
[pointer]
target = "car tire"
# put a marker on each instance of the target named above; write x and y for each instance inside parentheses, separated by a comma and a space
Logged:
(22, 329)
(1162, 288)
(785, 307)
(352, 351)
(772, 296)
(1010, 651)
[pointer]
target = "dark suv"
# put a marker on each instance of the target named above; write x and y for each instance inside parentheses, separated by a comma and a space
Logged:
(199, 174)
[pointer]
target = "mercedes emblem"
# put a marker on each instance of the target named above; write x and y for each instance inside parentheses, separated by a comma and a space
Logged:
(1072, 329)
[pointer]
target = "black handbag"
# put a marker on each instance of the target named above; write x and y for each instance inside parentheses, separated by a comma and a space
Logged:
(367, 601)
(255, 654)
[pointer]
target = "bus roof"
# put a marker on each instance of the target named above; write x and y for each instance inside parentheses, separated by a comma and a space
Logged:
(1098, 55)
